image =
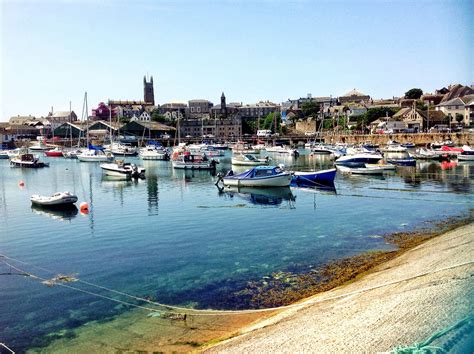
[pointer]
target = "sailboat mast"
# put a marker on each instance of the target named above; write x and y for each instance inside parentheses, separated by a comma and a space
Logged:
(87, 118)
(110, 122)
(70, 121)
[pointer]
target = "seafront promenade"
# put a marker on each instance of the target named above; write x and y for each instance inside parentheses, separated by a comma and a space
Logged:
(404, 301)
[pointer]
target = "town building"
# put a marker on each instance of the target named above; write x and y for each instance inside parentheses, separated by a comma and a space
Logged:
(224, 128)
(147, 129)
(257, 110)
(457, 107)
(417, 120)
(199, 109)
(225, 110)
(173, 110)
(148, 91)
(354, 96)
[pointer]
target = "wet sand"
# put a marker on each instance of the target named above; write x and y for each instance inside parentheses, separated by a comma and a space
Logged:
(400, 302)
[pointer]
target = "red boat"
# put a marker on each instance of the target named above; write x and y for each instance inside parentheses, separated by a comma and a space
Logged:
(56, 152)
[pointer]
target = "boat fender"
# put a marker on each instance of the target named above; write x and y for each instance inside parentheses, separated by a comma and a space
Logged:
(21, 183)
(84, 208)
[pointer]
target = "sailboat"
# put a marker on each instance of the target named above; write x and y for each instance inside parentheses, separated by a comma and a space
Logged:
(71, 153)
(93, 153)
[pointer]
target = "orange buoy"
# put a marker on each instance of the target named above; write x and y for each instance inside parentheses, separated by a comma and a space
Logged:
(21, 183)
(84, 208)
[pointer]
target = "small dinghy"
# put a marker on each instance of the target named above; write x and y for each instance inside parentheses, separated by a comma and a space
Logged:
(56, 200)
(313, 178)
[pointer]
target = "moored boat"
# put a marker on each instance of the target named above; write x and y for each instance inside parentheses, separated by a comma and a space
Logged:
(407, 161)
(358, 159)
(94, 154)
(56, 200)
(313, 178)
(260, 176)
(27, 160)
(375, 170)
(120, 168)
(187, 161)
(153, 152)
(56, 152)
(249, 160)
(467, 154)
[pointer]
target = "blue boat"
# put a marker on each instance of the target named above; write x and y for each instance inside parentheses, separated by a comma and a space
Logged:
(409, 145)
(313, 178)
(260, 176)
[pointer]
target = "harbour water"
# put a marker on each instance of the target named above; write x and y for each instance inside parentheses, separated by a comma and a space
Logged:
(175, 238)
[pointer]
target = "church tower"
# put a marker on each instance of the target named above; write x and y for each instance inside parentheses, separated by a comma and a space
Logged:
(223, 106)
(148, 92)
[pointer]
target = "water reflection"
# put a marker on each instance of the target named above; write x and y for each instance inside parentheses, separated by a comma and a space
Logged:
(260, 196)
(153, 194)
(63, 214)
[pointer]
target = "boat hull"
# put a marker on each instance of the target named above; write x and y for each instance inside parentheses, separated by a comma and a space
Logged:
(324, 177)
(281, 180)
(64, 201)
(193, 165)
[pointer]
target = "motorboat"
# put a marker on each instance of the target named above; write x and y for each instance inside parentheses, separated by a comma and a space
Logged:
(153, 152)
(56, 152)
(394, 146)
(313, 178)
(427, 154)
(120, 168)
(406, 161)
(322, 149)
(260, 176)
(27, 160)
(408, 145)
(56, 200)
(121, 149)
(283, 150)
(244, 148)
(71, 153)
(249, 160)
(188, 161)
(375, 170)
(211, 151)
(358, 159)
(383, 166)
(39, 147)
(467, 154)
(95, 155)
(4, 154)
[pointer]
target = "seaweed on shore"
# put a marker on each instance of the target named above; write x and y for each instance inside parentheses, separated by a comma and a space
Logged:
(284, 288)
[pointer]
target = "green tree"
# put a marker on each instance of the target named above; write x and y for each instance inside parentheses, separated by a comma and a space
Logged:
(310, 108)
(459, 118)
(156, 117)
(269, 122)
(414, 93)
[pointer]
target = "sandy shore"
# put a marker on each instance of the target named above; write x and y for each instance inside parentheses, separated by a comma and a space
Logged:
(401, 302)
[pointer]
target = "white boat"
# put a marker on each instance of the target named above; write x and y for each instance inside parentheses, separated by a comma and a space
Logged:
(375, 170)
(91, 155)
(322, 149)
(152, 152)
(57, 199)
(39, 147)
(383, 166)
(244, 148)
(358, 159)
(467, 154)
(71, 153)
(426, 154)
(282, 150)
(260, 176)
(4, 154)
(119, 168)
(187, 161)
(27, 160)
(248, 160)
(394, 146)
(121, 149)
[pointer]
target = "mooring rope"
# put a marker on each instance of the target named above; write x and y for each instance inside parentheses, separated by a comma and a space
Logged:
(220, 312)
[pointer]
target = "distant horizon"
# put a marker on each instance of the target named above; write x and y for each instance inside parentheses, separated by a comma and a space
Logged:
(54, 51)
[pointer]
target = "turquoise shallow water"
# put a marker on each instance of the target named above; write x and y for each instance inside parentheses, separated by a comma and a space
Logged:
(176, 238)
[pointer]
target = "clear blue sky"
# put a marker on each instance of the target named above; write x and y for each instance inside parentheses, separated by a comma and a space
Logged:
(53, 51)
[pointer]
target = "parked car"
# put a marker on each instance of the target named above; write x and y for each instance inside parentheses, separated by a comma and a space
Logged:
(188, 136)
(440, 128)
(310, 133)
(165, 136)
